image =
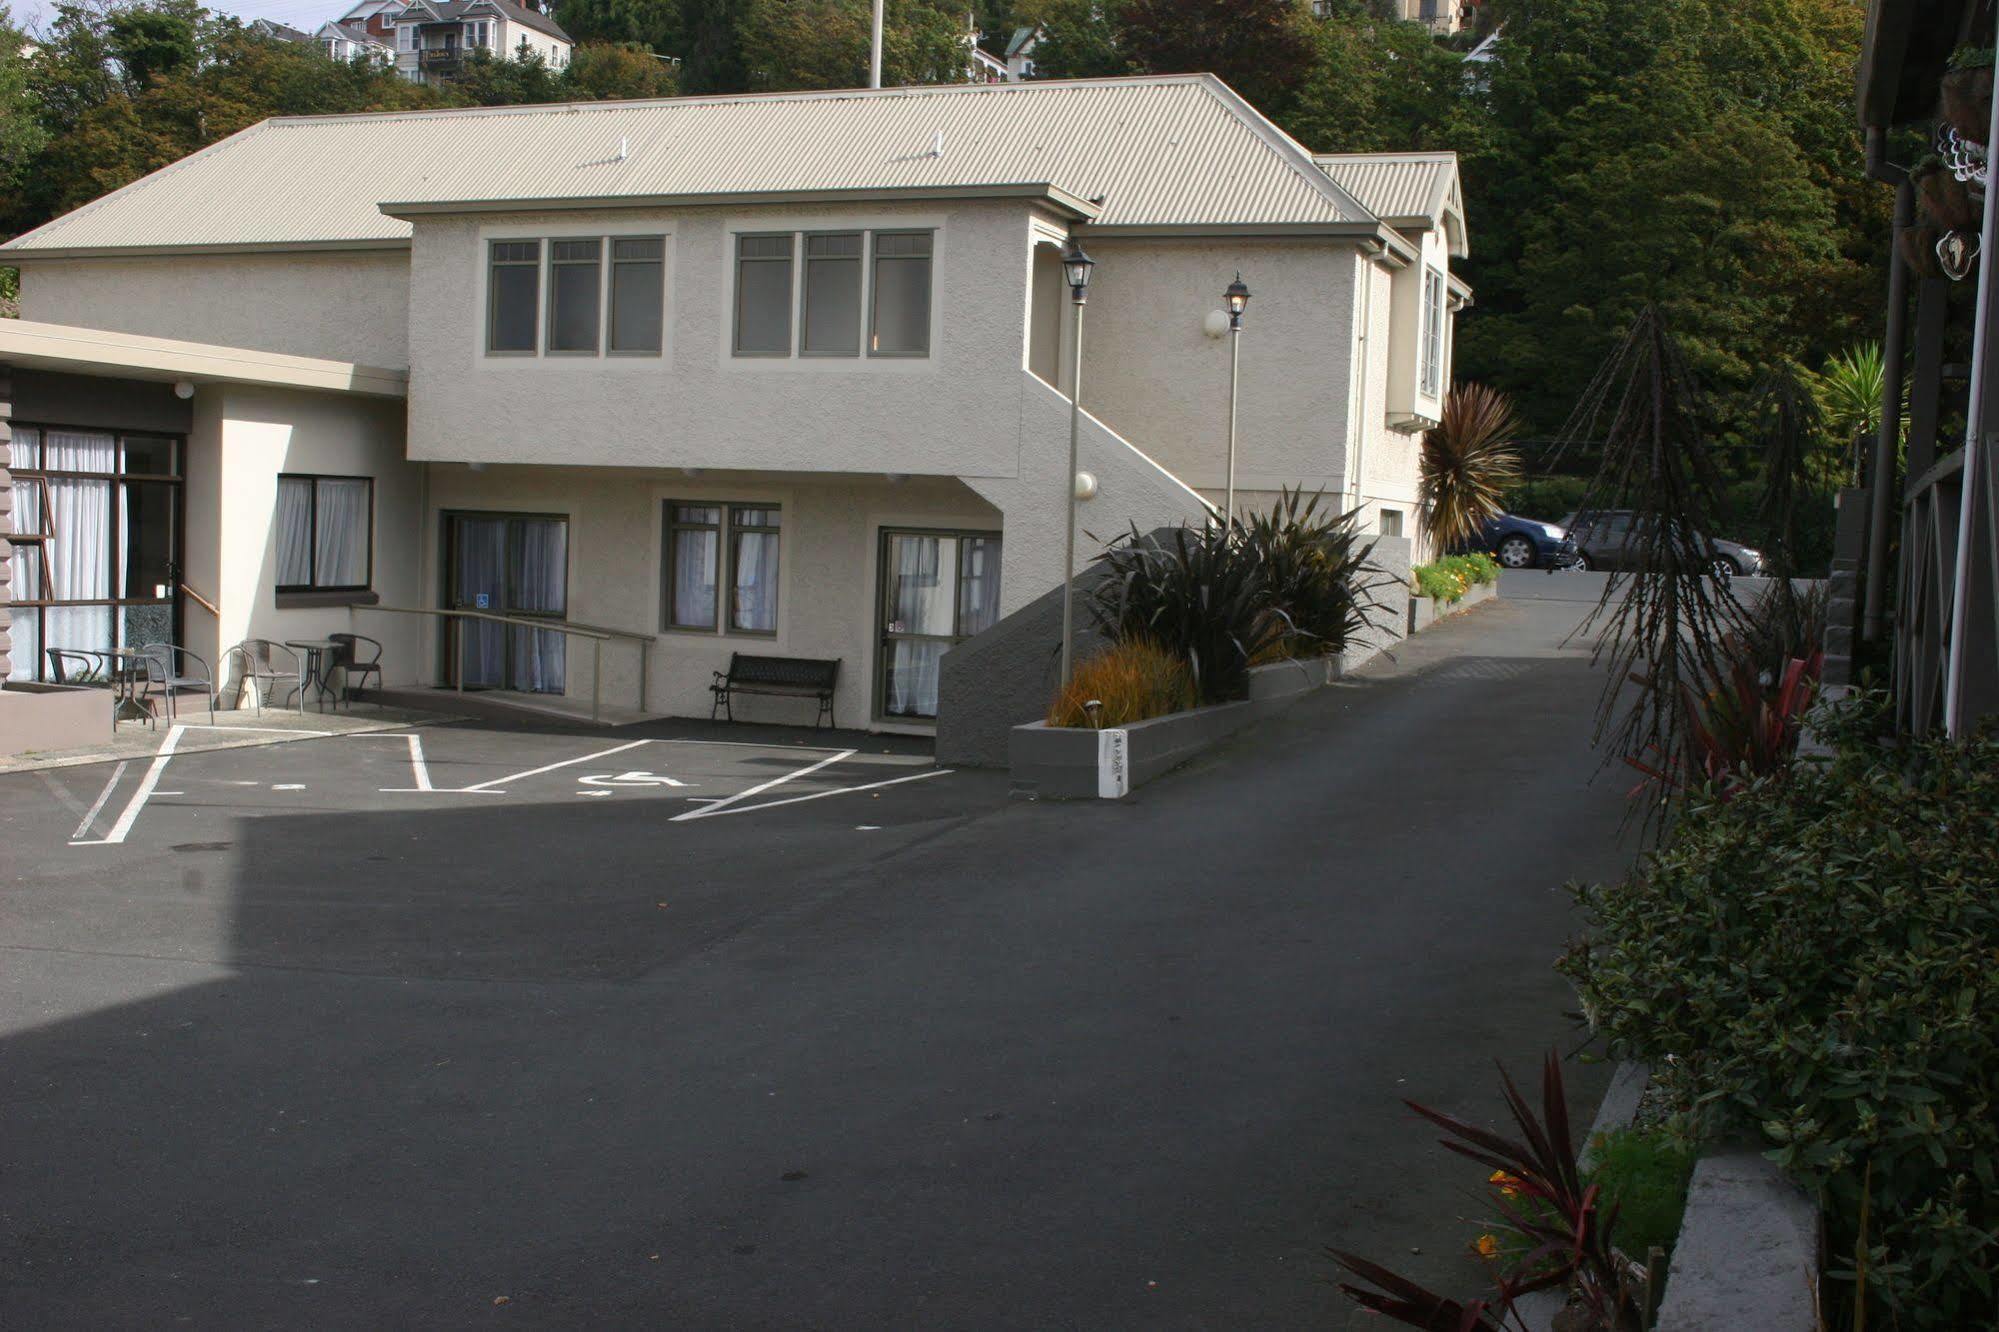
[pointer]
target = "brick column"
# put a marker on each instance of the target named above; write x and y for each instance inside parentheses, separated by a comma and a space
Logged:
(6, 526)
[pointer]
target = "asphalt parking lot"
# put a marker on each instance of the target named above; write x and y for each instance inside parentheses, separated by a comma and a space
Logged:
(531, 1027)
(171, 794)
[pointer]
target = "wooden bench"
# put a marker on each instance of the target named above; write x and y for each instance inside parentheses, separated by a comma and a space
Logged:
(792, 677)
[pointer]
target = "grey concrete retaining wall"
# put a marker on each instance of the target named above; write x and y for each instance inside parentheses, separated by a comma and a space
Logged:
(1747, 1255)
(45, 716)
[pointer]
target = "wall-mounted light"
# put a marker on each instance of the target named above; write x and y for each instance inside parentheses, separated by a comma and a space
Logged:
(1086, 485)
(183, 390)
(690, 471)
(1216, 325)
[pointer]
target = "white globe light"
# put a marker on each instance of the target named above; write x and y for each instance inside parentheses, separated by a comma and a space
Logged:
(1086, 486)
(1217, 324)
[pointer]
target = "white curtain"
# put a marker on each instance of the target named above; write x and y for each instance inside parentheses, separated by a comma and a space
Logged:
(24, 451)
(925, 593)
(294, 532)
(80, 553)
(912, 679)
(694, 576)
(979, 585)
(756, 581)
(341, 551)
(540, 585)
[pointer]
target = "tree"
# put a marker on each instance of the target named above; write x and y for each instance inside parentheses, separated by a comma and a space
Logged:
(488, 80)
(604, 71)
(154, 43)
(1261, 48)
(824, 43)
(653, 24)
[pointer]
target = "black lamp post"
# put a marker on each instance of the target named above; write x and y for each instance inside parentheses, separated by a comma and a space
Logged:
(1076, 266)
(1236, 297)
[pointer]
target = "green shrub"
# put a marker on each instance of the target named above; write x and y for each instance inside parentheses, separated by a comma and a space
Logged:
(1448, 579)
(1318, 573)
(1196, 592)
(1222, 598)
(1130, 682)
(1547, 499)
(1816, 960)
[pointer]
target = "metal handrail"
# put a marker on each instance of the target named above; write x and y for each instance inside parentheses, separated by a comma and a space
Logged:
(595, 634)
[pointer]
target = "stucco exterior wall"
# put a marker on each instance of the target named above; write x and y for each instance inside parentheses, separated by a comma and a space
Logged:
(241, 440)
(344, 305)
(1152, 373)
(828, 570)
(696, 405)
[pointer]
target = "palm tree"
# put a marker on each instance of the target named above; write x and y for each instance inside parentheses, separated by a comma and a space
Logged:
(1468, 462)
(1849, 390)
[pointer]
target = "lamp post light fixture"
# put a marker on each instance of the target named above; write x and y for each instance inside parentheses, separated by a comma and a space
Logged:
(1076, 266)
(1236, 297)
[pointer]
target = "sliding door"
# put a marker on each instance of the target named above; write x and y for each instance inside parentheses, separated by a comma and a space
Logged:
(937, 589)
(97, 544)
(515, 565)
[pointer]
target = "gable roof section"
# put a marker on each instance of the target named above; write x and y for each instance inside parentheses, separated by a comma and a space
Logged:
(451, 11)
(1171, 152)
(1406, 189)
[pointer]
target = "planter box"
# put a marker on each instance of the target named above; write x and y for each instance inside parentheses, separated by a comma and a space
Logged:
(1426, 611)
(1076, 763)
(48, 716)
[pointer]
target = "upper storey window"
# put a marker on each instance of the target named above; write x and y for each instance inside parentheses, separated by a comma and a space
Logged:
(833, 293)
(576, 296)
(1433, 332)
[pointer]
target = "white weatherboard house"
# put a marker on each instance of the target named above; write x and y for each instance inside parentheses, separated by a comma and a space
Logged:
(781, 374)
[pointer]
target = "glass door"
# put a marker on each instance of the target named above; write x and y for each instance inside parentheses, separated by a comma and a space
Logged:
(506, 564)
(937, 589)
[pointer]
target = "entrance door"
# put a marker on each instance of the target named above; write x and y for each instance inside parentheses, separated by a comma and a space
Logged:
(937, 589)
(506, 564)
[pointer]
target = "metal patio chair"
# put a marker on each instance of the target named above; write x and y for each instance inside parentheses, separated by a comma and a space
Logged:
(170, 668)
(266, 666)
(351, 664)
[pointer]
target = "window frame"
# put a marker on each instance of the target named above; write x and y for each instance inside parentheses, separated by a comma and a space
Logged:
(1430, 381)
(611, 262)
(870, 331)
(790, 261)
(598, 330)
(312, 537)
(862, 291)
(726, 529)
(493, 265)
(884, 572)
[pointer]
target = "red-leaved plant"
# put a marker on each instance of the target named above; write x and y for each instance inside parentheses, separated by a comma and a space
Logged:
(1743, 727)
(1564, 1238)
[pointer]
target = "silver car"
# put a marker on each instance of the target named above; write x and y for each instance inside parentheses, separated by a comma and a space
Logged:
(1607, 540)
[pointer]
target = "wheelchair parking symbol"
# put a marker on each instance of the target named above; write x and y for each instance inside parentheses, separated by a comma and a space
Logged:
(630, 779)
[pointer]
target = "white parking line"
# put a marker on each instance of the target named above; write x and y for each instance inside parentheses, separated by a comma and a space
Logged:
(117, 775)
(548, 767)
(707, 810)
(130, 814)
(818, 795)
(419, 769)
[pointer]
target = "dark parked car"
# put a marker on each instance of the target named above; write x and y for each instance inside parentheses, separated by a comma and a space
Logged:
(1607, 541)
(1522, 543)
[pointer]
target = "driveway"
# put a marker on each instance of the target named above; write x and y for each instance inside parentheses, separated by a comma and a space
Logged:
(306, 1047)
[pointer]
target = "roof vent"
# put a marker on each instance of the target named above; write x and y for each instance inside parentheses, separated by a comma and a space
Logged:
(937, 144)
(624, 148)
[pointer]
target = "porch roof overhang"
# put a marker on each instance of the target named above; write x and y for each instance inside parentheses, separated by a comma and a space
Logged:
(1054, 197)
(28, 344)
(1902, 57)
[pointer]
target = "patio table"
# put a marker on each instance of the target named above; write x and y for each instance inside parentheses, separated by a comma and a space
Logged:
(315, 666)
(127, 670)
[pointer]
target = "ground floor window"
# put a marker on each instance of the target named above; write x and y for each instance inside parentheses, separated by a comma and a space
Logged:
(97, 542)
(937, 589)
(325, 533)
(708, 547)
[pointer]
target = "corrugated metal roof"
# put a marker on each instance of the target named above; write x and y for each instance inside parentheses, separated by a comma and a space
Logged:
(1181, 150)
(1403, 185)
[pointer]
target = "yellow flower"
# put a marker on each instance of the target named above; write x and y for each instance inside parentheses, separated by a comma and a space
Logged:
(1508, 1184)
(1487, 1246)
